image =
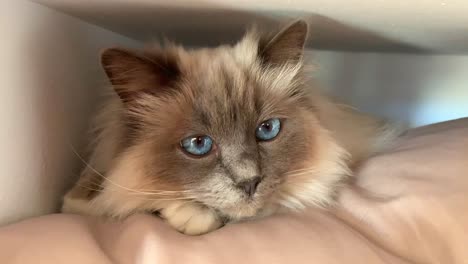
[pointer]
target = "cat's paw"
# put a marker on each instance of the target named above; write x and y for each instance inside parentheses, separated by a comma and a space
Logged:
(191, 219)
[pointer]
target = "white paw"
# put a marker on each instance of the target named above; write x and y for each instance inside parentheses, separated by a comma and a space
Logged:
(191, 219)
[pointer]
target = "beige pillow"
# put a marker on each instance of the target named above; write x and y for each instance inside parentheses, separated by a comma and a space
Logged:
(409, 205)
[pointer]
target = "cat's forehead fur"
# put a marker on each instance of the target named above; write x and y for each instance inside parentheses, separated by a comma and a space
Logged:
(225, 88)
(235, 71)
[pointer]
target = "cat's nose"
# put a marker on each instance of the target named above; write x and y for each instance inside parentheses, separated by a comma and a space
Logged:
(250, 186)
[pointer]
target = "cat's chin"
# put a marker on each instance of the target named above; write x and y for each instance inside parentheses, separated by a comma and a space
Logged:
(237, 215)
(249, 208)
(241, 212)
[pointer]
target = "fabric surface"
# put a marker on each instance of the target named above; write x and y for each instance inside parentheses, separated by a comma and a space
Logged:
(408, 205)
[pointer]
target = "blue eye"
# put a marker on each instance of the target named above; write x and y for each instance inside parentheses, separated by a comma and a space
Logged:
(268, 130)
(197, 145)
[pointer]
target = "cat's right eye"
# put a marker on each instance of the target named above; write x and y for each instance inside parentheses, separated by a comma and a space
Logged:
(197, 145)
(268, 129)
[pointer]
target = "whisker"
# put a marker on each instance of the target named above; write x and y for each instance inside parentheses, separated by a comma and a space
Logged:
(301, 170)
(170, 199)
(166, 196)
(89, 188)
(300, 173)
(298, 170)
(112, 182)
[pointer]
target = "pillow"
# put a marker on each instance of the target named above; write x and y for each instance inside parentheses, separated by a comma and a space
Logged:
(408, 205)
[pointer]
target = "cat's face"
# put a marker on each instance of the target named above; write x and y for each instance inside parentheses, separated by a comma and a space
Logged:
(230, 128)
(228, 139)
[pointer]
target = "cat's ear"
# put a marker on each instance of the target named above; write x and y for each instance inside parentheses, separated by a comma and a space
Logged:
(287, 46)
(131, 73)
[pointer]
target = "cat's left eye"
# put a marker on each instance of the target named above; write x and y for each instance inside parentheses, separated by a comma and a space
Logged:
(197, 145)
(268, 129)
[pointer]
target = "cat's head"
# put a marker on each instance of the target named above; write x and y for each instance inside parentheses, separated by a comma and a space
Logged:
(232, 127)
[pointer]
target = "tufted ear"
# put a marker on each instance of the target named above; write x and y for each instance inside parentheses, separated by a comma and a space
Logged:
(132, 73)
(287, 46)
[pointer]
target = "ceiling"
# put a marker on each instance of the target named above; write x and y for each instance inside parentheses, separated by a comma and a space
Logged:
(417, 26)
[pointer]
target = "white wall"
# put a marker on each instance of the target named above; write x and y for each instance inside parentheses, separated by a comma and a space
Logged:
(49, 67)
(418, 89)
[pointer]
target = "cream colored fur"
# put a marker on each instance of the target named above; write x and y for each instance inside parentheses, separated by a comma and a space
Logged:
(346, 135)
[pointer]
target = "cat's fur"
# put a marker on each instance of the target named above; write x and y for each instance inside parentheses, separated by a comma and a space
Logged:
(167, 94)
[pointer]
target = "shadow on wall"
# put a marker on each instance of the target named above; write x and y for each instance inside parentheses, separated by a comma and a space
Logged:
(417, 89)
(210, 24)
(65, 70)
(55, 75)
(399, 86)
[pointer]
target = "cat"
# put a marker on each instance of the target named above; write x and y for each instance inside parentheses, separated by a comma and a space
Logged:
(214, 135)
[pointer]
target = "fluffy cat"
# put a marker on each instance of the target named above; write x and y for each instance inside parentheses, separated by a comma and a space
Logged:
(213, 135)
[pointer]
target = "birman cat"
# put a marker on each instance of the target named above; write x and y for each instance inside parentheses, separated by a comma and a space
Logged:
(214, 135)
